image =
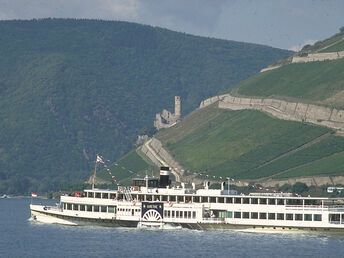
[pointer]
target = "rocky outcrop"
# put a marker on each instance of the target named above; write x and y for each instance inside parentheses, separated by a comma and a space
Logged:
(154, 150)
(270, 68)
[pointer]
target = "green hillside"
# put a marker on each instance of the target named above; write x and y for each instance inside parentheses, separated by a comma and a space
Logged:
(316, 82)
(332, 44)
(250, 145)
(72, 88)
(133, 164)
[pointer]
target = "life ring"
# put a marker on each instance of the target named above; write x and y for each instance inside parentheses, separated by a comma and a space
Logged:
(171, 204)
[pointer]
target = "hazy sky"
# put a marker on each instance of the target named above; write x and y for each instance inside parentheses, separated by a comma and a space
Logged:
(285, 24)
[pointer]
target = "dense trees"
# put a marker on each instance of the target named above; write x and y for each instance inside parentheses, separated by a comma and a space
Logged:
(72, 88)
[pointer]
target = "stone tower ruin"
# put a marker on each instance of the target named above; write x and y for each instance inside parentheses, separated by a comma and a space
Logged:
(177, 107)
(166, 119)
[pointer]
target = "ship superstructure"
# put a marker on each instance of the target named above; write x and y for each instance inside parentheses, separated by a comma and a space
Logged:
(153, 202)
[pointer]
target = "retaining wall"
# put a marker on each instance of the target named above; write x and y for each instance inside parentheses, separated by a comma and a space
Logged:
(318, 57)
(319, 115)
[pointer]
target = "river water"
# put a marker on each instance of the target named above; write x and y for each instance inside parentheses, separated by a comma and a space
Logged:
(21, 238)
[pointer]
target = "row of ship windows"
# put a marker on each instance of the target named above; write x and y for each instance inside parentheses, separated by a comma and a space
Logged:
(92, 208)
(273, 216)
(208, 199)
(232, 200)
(180, 214)
(96, 208)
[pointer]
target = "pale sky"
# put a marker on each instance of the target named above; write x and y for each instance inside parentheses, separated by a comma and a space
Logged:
(287, 24)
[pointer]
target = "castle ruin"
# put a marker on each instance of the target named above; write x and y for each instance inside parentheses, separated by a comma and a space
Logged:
(166, 119)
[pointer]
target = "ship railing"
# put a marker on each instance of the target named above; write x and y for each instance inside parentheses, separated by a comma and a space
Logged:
(301, 207)
(334, 222)
(214, 220)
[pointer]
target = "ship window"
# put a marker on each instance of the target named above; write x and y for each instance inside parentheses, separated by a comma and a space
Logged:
(334, 218)
(89, 207)
(103, 208)
(280, 216)
(90, 194)
(82, 207)
(75, 207)
(173, 214)
(172, 198)
(105, 195)
(65, 206)
(156, 197)
(196, 199)
(188, 199)
(262, 215)
(177, 214)
(111, 209)
(254, 215)
(229, 200)
(237, 215)
(245, 215)
(148, 197)
(317, 217)
(272, 201)
(180, 198)
(69, 206)
(262, 201)
(164, 198)
(193, 214)
(112, 196)
(237, 200)
(212, 199)
(185, 214)
(189, 214)
(165, 213)
(229, 214)
(280, 201)
(254, 201)
(289, 216)
(168, 214)
(271, 216)
(141, 198)
(298, 216)
(246, 201)
(204, 199)
(96, 208)
(220, 200)
(308, 217)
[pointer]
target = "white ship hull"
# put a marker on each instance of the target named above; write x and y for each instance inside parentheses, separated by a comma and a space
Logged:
(151, 203)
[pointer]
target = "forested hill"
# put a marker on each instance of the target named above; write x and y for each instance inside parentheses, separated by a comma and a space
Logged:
(72, 88)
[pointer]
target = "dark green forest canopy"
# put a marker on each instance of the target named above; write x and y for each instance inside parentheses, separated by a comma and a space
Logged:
(72, 88)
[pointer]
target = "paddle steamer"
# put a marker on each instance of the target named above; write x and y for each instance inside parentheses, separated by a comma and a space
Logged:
(152, 202)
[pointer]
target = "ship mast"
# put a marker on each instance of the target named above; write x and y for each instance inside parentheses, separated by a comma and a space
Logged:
(95, 172)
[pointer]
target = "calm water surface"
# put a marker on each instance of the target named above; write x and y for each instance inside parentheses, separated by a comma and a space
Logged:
(21, 238)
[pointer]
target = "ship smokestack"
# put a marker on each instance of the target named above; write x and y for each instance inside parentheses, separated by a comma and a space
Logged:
(164, 177)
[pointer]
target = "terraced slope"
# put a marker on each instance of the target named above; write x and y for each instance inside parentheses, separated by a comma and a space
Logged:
(248, 144)
(314, 82)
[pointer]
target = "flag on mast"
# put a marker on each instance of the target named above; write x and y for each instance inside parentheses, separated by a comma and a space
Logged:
(99, 159)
